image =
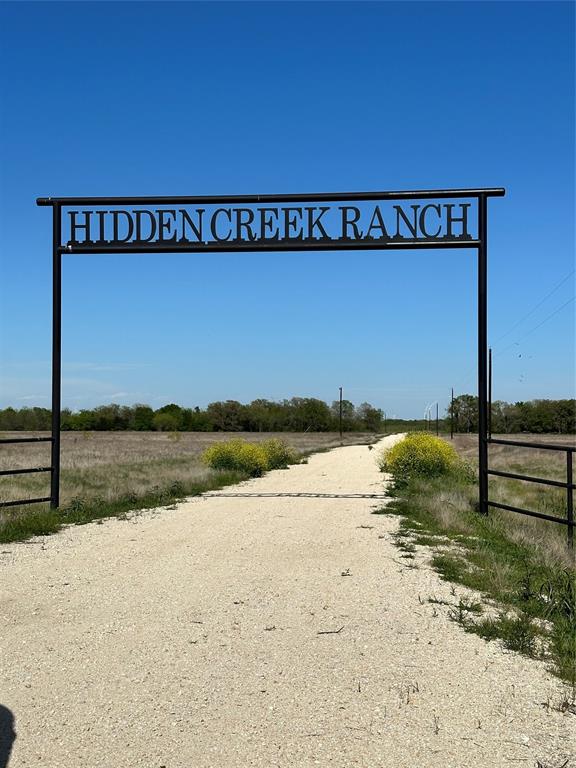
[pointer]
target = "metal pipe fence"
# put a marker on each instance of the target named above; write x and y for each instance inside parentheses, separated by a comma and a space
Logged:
(27, 470)
(568, 485)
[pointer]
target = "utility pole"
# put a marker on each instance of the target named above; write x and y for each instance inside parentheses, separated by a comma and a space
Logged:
(452, 415)
(437, 419)
(384, 422)
(340, 419)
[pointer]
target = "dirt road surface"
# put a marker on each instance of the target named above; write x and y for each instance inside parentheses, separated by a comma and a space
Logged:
(258, 631)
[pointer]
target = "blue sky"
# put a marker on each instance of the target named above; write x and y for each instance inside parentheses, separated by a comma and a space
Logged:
(231, 98)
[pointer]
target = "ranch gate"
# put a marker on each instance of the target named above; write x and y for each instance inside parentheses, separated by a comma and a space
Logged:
(405, 220)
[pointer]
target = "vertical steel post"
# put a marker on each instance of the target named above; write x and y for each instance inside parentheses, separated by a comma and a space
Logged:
(452, 414)
(340, 418)
(570, 499)
(56, 355)
(482, 356)
(489, 392)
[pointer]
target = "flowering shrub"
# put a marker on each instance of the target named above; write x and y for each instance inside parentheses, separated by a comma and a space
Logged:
(252, 458)
(419, 454)
(237, 455)
(278, 453)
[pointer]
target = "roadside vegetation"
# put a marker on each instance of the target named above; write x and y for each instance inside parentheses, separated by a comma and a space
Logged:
(19, 523)
(107, 474)
(521, 566)
(253, 459)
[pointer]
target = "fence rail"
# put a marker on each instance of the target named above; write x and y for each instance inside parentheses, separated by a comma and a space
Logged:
(6, 440)
(568, 485)
(26, 471)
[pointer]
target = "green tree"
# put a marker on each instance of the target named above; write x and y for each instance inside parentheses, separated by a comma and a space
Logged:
(196, 420)
(176, 416)
(308, 413)
(465, 412)
(371, 418)
(142, 418)
(165, 422)
(348, 415)
(227, 416)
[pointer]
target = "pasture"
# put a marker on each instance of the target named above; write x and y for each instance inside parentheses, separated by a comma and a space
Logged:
(550, 465)
(111, 465)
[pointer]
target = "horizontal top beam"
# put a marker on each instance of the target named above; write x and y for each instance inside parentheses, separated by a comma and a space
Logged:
(289, 198)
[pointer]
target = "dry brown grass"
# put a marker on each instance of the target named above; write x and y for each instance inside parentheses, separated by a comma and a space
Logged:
(549, 538)
(111, 464)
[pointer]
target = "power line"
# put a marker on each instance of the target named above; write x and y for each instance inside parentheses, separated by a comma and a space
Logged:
(537, 326)
(469, 372)
(531, 312)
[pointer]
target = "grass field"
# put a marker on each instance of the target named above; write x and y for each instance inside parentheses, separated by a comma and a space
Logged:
(546, 464)
(520, 562)
(520, 565)
(112, 465)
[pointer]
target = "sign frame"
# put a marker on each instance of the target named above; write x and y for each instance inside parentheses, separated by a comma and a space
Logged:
(480, 243)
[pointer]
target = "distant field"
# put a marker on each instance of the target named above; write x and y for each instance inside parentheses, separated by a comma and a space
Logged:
(112, 464)
(550, 465)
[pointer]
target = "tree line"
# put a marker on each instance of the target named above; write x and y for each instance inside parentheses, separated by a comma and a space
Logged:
(535, 416)
(299, 414)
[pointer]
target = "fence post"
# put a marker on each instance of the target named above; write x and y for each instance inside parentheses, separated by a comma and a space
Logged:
(482, 356)
(56, 354)
(340, 415)
(570, 499)
(489, 392)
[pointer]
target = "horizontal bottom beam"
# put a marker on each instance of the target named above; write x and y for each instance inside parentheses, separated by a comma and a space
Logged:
(23, 502)
(539, 515)
(7, 440)
(24, 471)
(269, 246)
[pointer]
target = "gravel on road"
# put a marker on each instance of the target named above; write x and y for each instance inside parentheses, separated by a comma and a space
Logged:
(235, 631)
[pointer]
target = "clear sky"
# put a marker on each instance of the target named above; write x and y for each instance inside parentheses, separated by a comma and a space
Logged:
(236, 98)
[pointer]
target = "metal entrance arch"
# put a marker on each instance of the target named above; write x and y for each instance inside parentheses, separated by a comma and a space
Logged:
(292, 222)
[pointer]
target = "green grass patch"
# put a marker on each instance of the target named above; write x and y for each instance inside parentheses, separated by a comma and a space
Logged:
(534, 585)
(23, 523)
(517, 633)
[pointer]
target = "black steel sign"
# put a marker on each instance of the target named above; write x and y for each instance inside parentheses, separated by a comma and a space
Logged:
(445, 218)
(329, 221)
(258, 226)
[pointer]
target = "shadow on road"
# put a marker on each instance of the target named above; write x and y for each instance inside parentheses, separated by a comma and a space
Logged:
(7, 735)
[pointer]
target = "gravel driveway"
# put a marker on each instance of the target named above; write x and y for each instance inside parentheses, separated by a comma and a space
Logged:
(237, 631)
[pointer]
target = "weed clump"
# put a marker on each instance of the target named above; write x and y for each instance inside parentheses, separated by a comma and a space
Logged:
(279, 455)
(237, 455)
(420, 455)
(253, 459)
